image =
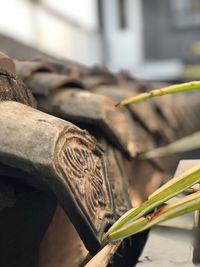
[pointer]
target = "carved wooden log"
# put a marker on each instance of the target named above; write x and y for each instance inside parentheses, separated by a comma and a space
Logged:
(98, 110)
(63, 158)
(57, 248)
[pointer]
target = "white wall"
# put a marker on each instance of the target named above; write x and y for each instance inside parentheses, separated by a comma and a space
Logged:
(34, 25)
(124, 46)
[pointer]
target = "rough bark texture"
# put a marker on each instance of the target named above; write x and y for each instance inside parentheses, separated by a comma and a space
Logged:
(12, 88)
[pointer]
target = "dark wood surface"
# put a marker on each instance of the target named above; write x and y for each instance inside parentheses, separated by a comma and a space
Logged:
(65, 159)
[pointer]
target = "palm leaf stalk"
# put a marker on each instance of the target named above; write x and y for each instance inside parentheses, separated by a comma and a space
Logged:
(194, 85)
(167, 191)
(188, 143)
(151, 212)
(180, 207)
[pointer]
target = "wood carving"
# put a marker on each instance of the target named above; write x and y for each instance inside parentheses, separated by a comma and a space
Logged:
(80, 160)
(59, 156)
(118, 180)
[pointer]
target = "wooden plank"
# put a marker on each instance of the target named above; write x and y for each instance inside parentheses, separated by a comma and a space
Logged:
(65, 159)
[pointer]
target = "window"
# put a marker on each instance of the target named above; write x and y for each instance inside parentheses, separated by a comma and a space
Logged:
(122, 14)
(185, 13)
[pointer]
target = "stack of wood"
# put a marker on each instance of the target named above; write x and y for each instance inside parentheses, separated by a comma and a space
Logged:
(69, 160)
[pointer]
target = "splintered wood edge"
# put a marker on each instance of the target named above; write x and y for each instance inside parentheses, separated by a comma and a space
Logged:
(104, 256)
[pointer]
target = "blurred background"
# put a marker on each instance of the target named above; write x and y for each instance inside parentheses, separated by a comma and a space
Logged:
(155, 39)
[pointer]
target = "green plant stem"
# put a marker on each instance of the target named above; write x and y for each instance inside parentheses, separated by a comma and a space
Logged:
(195, 85)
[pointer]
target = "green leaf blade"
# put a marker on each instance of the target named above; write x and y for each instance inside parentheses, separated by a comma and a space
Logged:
(178, 208)
(164, 193)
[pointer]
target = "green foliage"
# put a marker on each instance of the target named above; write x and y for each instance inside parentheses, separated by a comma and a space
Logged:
(138, 219)
(155, 210)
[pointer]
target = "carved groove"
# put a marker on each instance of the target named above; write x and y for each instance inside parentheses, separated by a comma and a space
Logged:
(79, 163)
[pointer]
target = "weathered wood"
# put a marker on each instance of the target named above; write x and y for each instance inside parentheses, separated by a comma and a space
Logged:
(118, 180)
(126, 252)
(103, 258)
(44, 83)
(12, 88)
(144, 112)
(7, 63)
(99, 111)
(65, 159)
(181, 112)
(25, 69)
(98, 75)
(91, 82)
(120, 254)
